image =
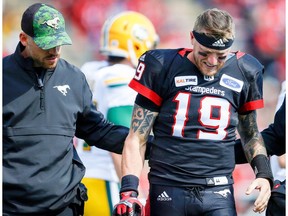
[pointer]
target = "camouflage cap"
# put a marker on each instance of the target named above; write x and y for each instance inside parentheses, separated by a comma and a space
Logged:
(45, 25)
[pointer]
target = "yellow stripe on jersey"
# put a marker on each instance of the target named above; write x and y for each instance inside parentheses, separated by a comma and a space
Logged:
(117, 81)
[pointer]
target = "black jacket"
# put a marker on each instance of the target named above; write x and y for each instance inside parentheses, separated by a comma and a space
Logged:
(41, 169)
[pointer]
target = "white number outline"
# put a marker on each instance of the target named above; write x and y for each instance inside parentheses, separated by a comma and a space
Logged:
(139, 71)
(206, 106)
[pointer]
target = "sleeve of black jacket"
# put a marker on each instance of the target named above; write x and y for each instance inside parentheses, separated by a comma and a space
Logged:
(274, 137)
(92, 127)
(97, 131)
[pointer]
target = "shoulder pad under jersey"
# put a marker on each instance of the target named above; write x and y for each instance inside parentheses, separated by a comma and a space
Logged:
(249, 64)
(163, 55)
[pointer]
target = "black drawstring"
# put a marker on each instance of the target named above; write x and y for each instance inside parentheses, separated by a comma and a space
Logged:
(196, 192)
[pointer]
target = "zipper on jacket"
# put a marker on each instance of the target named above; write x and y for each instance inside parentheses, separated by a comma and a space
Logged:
(41, 87)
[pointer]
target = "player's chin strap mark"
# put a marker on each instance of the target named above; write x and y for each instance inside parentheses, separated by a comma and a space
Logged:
(211, 42)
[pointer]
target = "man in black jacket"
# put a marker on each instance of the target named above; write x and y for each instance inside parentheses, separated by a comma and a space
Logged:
(275, 141)
(46, 101)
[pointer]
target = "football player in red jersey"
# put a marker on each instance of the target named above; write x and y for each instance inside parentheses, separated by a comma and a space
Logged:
(194, 100)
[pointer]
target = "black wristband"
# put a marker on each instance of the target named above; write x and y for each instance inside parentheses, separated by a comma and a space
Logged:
(262, 168)
(129, 183)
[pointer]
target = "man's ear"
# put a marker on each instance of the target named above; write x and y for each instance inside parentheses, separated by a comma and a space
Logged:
(23, 38)
(192, 37)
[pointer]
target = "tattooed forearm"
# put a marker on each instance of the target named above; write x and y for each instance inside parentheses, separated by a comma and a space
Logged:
(252, 141)
(254, 147)
(142, 120)
(247, 127)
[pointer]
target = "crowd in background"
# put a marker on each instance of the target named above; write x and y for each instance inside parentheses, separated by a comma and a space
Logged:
(260, 31)
(260, 24)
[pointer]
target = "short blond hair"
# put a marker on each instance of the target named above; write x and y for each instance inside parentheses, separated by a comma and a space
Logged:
(215, 23)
